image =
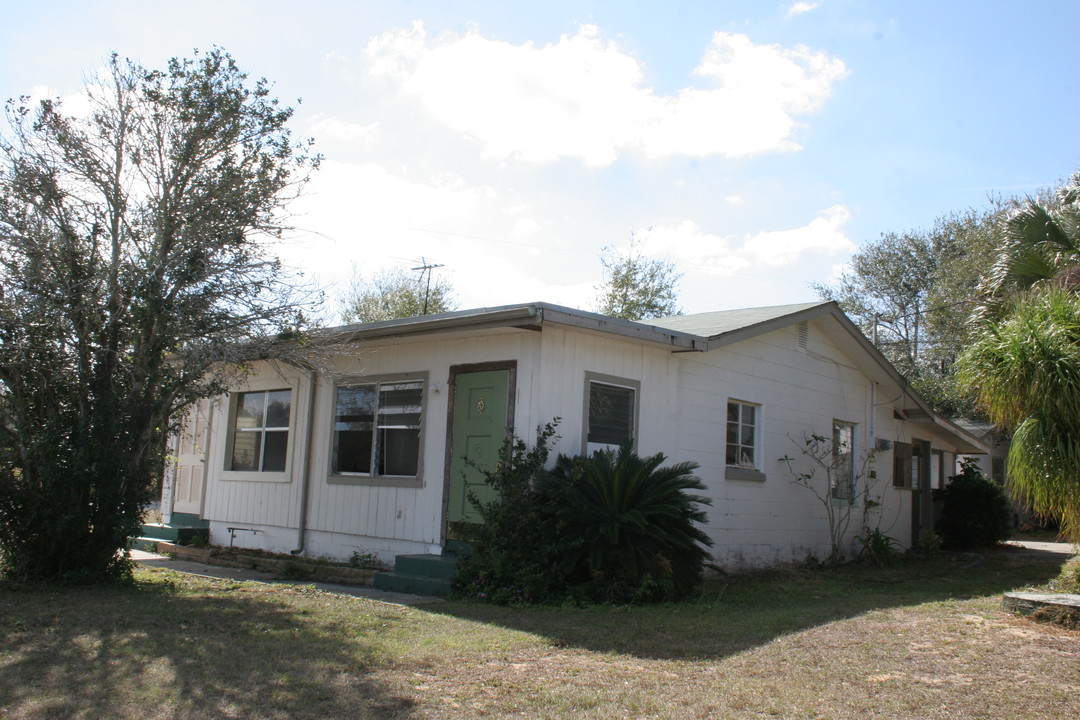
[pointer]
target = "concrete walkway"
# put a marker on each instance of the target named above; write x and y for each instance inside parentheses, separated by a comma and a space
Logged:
(1045, 550)
(225, 573)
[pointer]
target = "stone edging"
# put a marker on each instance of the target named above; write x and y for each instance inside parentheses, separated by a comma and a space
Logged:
(292, 568)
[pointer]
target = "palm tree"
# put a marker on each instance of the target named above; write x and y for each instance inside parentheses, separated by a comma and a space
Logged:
(1024, 364)
(1025, 371)
(1042, 247)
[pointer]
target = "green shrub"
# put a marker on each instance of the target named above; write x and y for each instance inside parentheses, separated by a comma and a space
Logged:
(975, 511)
(878, 548)
(514, 557)
(612, 527)
(628, 526)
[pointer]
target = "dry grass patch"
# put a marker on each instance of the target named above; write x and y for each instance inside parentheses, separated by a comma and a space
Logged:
(924, 641)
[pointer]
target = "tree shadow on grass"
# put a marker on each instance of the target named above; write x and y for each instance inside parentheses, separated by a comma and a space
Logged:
(223, 650)
(737, 613)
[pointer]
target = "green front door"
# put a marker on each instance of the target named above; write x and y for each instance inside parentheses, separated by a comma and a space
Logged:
(480, 429)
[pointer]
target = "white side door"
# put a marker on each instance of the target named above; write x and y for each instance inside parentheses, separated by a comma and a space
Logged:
(191, 460)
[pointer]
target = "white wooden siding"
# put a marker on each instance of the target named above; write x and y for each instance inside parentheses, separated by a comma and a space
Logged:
(682, 412)
(800, 393)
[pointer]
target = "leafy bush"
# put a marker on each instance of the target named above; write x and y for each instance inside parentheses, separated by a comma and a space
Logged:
(629, 526)
(878, 548)
(974, 513)
(612, 527)
(514, 556)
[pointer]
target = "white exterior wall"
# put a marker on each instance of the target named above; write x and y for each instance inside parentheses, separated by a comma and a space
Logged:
(559, 386)
(756, 523)
(382, 518)
(682, 405)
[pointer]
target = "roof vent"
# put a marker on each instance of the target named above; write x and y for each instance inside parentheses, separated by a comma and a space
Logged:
(804, 335)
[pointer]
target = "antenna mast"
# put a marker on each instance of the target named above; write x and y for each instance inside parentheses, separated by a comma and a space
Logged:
(426, 267)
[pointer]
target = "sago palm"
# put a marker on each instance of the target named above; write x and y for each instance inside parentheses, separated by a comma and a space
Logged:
(634, 524)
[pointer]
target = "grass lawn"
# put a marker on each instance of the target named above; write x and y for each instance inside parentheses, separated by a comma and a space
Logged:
(927, 640)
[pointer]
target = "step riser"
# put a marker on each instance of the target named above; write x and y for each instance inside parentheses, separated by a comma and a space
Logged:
(434, 566)
(413, 584)
(181, 535)
(189, 520)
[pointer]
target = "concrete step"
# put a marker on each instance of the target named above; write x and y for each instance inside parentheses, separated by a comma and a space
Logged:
(419, 575)
(412, 584)
(443, 567)
(174, 533)
(189, 520)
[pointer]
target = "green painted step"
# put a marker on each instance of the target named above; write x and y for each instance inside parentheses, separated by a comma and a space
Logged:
(173, 532)
(189, 520)
(442, 567)
(412, 584)
(419, 575)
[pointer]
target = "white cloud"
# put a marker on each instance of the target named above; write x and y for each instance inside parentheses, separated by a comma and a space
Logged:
(75, 105)
(801, 8)
(824, 235)
(701, 251)
(331, 128)
(584, 98)
(525, 227)
(734, 199)
(759, 91)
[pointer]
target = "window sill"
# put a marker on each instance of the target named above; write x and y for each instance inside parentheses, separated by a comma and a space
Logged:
(739, 473)
(376, 481)
(246, 476)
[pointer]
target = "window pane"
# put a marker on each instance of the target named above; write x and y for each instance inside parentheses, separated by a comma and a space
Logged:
(355, 408)
(249, 410)
(399, 428)
(352, 451)
(277, 408)
(400, 397)
(399, 451)
(611, 414)
(274, 450)
(843, 465)
(246, 450)
(354, 426)
(741, 434)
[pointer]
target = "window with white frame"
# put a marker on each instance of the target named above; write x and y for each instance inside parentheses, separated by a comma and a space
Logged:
(612, 411)
(742, 434)
(260, 431)
(377, 429)
(842, 480)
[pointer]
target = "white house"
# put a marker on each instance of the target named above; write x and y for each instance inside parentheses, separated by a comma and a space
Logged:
(378, 455)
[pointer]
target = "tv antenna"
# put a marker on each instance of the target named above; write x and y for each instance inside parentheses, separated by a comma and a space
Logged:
(425, 268)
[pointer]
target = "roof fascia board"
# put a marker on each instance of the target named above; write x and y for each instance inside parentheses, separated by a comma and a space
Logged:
(623, 328)
(518, 316)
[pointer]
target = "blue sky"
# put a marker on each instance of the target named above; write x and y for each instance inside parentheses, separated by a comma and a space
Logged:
(754, 144)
